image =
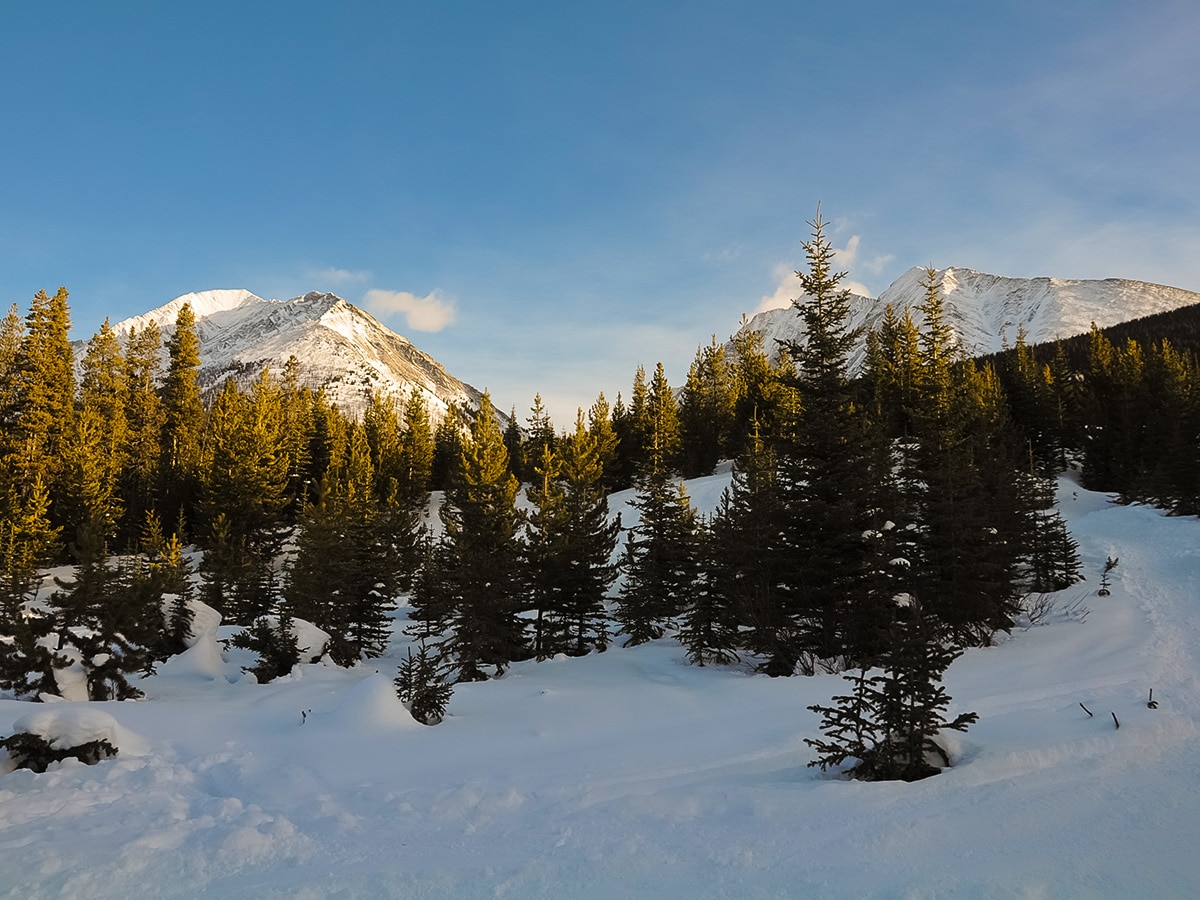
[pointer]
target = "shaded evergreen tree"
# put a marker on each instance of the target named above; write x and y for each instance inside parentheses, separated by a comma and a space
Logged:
(710, 624)
(481, 538)
(568, 548)
(343, 576)
(741, 560)
(449, 439)
(660, 563)
(890, 722)
(104, 620)
(419, 686)
(27, 540)
(632, 424)
(824, 477)
(273, 638)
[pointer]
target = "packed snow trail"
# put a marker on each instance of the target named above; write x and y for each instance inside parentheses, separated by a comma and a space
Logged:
(632, 774)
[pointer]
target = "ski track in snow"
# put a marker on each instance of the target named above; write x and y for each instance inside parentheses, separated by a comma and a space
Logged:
(632, 774)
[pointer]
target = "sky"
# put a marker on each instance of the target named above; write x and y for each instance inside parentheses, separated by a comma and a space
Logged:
(544, 195)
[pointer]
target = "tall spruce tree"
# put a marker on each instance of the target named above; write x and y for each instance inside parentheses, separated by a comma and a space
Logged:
(707, 411)
(661, 559)
(824, 476)
(966, 501)
(482, 541)
(45, 390)
(742, 559)
(343, 576)
(144, 421)
(569, 546)
(183, 420)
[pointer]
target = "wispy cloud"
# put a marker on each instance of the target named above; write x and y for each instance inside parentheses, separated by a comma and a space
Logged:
(331, 277)
(428, 313)
(845, 258)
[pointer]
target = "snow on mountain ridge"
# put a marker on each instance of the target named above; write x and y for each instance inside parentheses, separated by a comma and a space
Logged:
(340, 347)
(986, 311)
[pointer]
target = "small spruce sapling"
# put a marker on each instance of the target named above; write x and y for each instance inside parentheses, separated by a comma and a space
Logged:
(420, 687)
(1105, 579)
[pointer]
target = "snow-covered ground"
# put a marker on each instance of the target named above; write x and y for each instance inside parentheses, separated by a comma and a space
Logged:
(632, 774)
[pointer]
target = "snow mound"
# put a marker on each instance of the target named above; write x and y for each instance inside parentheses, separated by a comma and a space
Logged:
(71, 726)
(371, 704)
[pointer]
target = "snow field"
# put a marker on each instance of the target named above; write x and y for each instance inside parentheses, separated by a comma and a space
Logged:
(633, 774)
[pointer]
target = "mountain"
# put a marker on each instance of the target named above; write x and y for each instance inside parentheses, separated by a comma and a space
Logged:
(340, 347)
(986, 311)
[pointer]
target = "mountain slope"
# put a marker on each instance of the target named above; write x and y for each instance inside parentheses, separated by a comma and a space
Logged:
(986, 311)
(340, 347)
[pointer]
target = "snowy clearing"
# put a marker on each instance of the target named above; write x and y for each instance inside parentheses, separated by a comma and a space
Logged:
(632, 774)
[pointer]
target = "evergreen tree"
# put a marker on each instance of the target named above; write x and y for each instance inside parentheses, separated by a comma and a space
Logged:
(543, 551)
(344, 573)
(590, 540)
(419, 685)
(27, 540)
(569, 545)
(298, 433)
(89, 474)
(660, 563)
(707, 412)
(183, 419)
(273, 638)
(632, 425)
(891, 721)
(171, 570)
(45, 390)
(600, 428)
(227, 574)
(144, 420)
(449, 440)
(741, 560)
(104, 620)
(966, 494)
(824, 476)
(665, 445)
(245, 477)
(381, 426)
(416, 451)
(12, 335)
(709, 628)
(481, 527)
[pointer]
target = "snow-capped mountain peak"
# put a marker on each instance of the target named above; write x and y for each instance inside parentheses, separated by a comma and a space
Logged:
(339, 346)
(987, 311)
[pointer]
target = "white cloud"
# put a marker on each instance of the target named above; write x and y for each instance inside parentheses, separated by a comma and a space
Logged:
(788, 285)
(332, 277)
(428, 313)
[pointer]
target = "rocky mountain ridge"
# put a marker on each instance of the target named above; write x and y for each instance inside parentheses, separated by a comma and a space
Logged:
(339, 346)
(986, 311)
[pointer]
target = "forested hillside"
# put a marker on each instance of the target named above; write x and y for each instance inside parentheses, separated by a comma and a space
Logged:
(876, 524)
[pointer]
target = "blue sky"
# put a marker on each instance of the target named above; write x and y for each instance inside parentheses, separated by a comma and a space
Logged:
(543, 195)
